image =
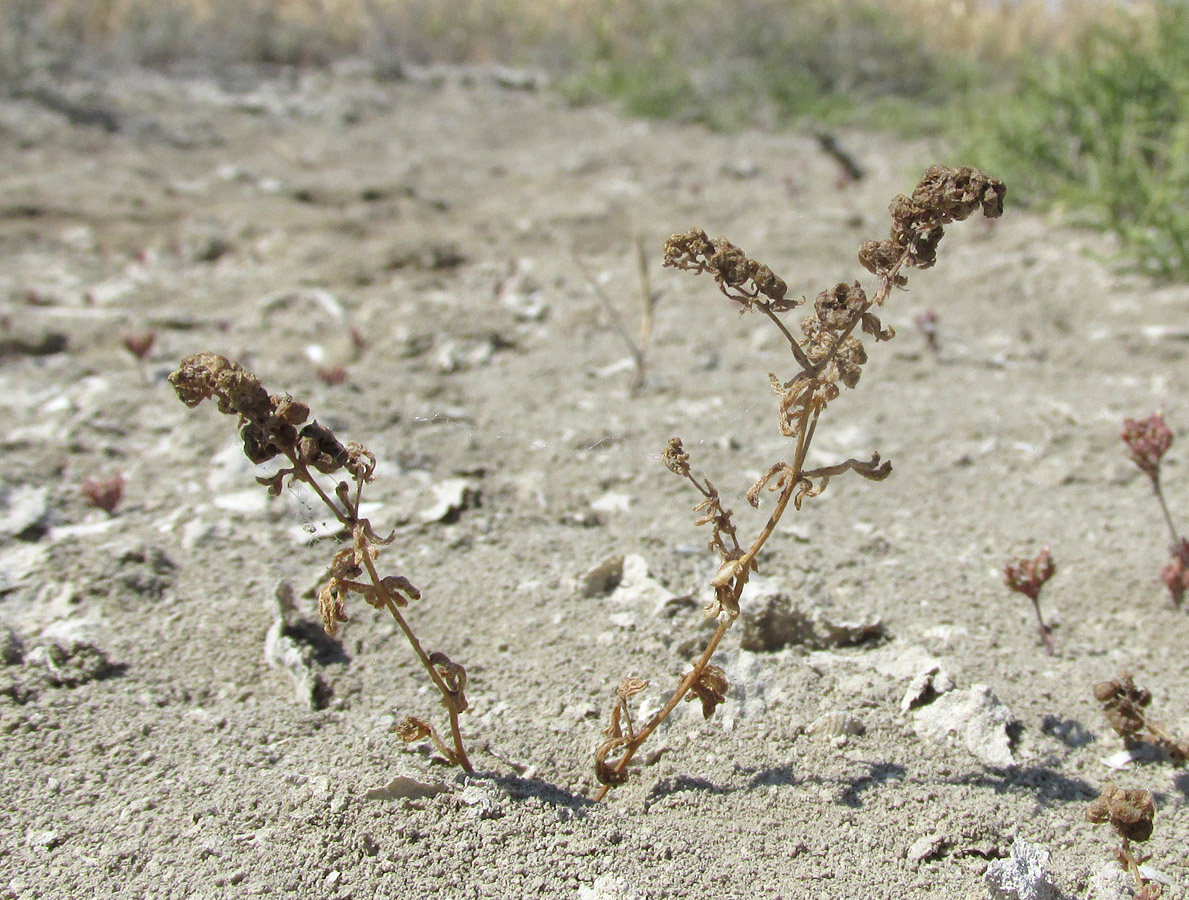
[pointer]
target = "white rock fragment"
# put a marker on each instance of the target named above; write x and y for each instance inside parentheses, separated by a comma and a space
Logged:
(482, 801)
(974, 718)
(281, 650)
(1022, 876)
(1120, 760)
(23, 509)
(402, 787)
(612, 502)
(1110, 882)
(603, 577)
(451, 497)
(927, 847)
(609, 887)
(926, 687)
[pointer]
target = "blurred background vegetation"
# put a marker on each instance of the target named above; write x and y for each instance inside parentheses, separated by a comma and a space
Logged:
(1079, 105)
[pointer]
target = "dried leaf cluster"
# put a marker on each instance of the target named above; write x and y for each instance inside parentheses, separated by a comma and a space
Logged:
(829, 354)
(1131, 814)
(1125, 704)
(276, 425)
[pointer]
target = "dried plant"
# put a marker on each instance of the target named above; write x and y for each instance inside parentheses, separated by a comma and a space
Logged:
(1131, 814)
(828, 355)
(139, 343)
(1027, 577)
(1124, 704)
(103, 493)
(1147, 441)
(637, 346)
(275, 425)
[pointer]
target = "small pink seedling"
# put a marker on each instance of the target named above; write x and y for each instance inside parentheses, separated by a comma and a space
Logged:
(1147, 441)
(103, 493)
(1027, 577)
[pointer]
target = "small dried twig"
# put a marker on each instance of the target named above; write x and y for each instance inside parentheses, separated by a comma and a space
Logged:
(275, 425)
(1131, 815)
(1147, 441)
(636, 346)
(1125, 703)
(828, 355)
(1027, 577)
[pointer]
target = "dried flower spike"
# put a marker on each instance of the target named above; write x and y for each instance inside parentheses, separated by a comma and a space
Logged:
(1027, 577)
(103, 493)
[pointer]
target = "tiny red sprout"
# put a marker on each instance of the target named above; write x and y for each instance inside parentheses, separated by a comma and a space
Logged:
(333, 375)
(1027, 576)
(139, 343)
(926, 323)
(1147, 441)
(103, 493)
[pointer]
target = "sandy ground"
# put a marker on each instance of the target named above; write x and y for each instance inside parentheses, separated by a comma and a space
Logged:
(153, 748)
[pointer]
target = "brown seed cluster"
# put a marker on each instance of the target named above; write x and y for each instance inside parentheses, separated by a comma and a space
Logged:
(1130, 813)
(737, 275)
(944, 195)
(1125, 703)
(1028, 576)
(268, 423)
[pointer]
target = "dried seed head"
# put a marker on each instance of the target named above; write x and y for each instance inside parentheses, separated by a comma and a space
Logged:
(318, 448)
(1028, 576)
(1130, 813)
(675, 458)
(710, 687)
(836, 307)
(630, 687)
(1147, 441)
(411, 728)
(738, 276)
(1123, 702)
(943, 195)
(238, 391)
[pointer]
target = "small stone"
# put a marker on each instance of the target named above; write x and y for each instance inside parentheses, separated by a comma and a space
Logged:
(925, 848)
(975, 718)
(1022, 876)
(402, 787)
(451, 497)
(836, 722)
(926, 687)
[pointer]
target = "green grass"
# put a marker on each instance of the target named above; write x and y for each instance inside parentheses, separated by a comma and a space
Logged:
(1103, 130)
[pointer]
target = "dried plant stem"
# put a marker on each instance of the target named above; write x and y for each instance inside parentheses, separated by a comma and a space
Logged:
(269, 427)
(637, 347)
(828, 356)
(683, 688)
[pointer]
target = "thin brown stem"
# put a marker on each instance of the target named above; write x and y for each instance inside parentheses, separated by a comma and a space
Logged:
(634, 741)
